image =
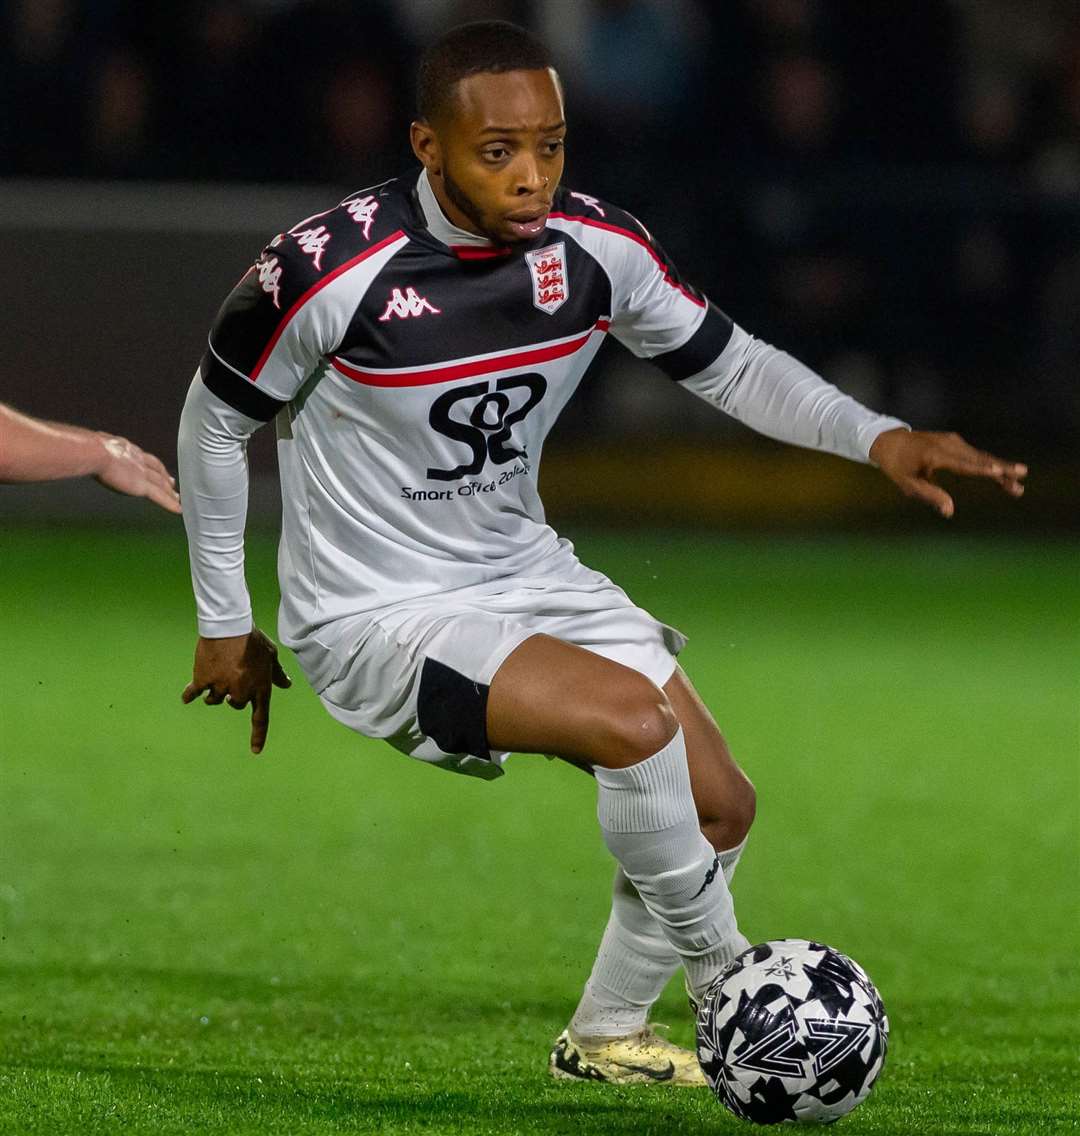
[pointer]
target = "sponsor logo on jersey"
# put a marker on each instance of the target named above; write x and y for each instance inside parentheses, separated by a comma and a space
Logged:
(362, 210)
(270, 276)
(591, 202)
(548, 269)
(313, 242)
(404, 305)
(482, 417)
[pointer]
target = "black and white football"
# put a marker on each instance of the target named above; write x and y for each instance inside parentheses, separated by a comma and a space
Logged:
(793, 1031)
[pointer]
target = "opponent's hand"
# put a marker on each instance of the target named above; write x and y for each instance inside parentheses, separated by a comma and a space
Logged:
(127, 469)
(911, 458)
(239, 670)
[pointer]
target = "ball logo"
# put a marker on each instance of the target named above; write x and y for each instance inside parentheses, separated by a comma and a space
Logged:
(482, 416)
(547, 266)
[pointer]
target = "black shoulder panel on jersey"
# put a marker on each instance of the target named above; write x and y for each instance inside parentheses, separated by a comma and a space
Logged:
(240, 393)
(700, 349)
(604, 215)
(295, 262)
(570, 203)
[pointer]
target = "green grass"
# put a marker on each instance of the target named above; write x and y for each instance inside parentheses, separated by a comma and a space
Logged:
(331, 938)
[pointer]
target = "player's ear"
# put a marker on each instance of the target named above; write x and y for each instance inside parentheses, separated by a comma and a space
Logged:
(425, 145)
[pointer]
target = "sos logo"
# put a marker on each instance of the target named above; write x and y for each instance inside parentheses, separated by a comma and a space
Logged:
(481, 416)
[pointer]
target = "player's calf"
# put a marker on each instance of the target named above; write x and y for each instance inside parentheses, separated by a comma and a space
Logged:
(650, 825)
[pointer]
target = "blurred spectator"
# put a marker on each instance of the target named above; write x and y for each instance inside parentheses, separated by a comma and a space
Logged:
(42, 79)
(895, 188)
(118, 114)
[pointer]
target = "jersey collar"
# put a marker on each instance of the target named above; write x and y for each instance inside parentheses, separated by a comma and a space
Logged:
(463, 244)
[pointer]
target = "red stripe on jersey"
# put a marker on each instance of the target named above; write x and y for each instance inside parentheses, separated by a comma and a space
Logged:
(639, 239)
(479, 252)
(319, 284)
(466, 370)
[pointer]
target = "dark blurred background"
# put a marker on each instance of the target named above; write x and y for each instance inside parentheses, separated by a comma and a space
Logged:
(889, 191)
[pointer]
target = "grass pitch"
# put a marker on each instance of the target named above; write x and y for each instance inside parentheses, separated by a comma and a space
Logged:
(331, 938)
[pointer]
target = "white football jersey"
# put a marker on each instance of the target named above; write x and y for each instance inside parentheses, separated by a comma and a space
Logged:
(414, 372)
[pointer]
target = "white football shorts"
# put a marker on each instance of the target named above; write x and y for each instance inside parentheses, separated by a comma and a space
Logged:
(417, 674)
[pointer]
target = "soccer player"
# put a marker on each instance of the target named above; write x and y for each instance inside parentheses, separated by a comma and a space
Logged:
(414, 345)
(33, 450)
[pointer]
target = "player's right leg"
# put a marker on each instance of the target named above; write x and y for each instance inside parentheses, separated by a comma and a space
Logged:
(549, 696)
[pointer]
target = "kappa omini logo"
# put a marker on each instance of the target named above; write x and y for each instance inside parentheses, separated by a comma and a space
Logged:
(313, 242)
(362, 210)
(591, 202)
(548, 269)
(406, 304)
(270, 277)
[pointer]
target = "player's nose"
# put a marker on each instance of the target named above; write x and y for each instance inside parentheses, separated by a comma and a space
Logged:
(529, 179)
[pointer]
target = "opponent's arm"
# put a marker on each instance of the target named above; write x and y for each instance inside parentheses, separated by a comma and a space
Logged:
(235, 663)
(775, 394)
(34, 450)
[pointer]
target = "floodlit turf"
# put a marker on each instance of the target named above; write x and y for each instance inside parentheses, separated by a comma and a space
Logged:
(331, 938)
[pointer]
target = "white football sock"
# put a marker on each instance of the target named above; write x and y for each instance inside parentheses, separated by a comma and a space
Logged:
(729, 860)
(650, 825)
(633, 965)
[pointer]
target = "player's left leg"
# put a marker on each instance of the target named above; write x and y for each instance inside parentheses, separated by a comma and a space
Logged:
(635, 961)
(723, 794)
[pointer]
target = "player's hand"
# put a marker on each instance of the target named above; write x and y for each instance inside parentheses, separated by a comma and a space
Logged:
(240, 670)
(127, 469)
(911, 458)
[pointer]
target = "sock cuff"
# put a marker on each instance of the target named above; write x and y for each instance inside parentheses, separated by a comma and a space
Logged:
(729, 857)
(650, 796)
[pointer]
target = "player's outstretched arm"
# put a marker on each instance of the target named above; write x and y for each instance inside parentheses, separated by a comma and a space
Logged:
(34, 450)
(911, 458)
(240, 670)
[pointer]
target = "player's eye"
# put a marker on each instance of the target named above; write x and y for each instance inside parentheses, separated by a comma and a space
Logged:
(553, 146)
(495, 154)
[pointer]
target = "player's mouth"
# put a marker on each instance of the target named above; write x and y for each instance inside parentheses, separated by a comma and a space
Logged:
(527, 224)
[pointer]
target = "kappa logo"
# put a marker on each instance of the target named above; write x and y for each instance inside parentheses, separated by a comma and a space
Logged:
(548, 269)
(710, 875)
(313, 242)
(591, 202)
(404, 305)
(270, 277)
(362, 210)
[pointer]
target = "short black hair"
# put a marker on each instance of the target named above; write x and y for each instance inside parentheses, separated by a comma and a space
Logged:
(473, 49)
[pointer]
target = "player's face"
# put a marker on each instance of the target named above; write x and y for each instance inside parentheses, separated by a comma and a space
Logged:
(496, 159)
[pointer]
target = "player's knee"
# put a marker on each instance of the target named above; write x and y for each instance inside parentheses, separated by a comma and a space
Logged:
(727, 822)
(636, 723)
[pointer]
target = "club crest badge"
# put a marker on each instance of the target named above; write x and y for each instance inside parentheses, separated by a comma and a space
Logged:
(550, 285)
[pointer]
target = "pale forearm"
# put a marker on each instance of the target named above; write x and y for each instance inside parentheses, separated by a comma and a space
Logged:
(214, 486)
(774, 394)
(35, 450)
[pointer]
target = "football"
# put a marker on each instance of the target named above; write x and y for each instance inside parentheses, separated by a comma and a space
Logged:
(793, 1031)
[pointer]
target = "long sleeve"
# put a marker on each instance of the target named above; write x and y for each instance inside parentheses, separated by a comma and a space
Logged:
(212, 457)
(775, 394)
(660, 316)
